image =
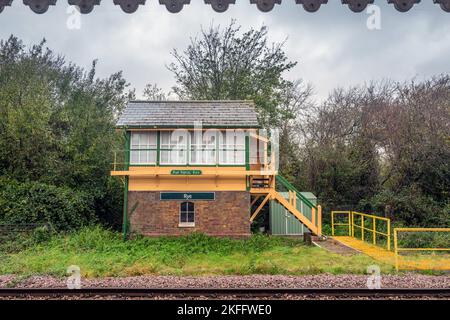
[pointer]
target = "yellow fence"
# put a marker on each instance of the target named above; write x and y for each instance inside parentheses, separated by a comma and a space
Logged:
(423, 264)
(350, 223)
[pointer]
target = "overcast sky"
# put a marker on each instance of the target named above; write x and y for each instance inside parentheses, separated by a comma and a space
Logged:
(333, 46)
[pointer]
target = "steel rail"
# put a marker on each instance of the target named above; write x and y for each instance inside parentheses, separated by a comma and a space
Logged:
(442, 292)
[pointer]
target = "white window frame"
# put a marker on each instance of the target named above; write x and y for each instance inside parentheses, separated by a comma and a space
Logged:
(187, 212)
(143, 145)
(173, 147)
(202, 140)
(229, 141)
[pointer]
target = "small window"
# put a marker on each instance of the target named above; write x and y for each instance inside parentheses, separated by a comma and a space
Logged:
(187, 214)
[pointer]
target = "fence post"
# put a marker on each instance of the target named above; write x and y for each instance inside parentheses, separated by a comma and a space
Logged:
(349, 223)
(353, 223)
(389, 235)
(319, 220)
(332, 223)
(294, 194)
(313, 216)
(395, 250)
(374, 231)
(362, 227)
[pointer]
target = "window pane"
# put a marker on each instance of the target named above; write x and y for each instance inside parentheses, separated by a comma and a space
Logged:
(134, 157)
(165, 139)
(134, 141)
(174, 147)
(177, 157)
(239, 157)
(152, 156)
(143, 141)
(187, 214)
(152, 139)
(232, 147)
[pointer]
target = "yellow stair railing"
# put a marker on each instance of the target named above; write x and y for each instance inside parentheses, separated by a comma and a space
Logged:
(351, 224)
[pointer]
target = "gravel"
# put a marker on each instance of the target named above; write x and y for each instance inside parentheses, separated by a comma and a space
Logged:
(408, 280)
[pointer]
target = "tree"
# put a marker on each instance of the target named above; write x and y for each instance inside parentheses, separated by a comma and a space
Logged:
(57, 123)
(227, 65)
(154, 93)
(295, 101)
(381, 147)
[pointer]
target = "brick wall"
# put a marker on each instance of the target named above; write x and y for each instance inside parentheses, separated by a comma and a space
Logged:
(228, 215)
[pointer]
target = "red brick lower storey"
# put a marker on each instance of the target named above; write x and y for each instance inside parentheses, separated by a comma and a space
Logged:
(227, 215)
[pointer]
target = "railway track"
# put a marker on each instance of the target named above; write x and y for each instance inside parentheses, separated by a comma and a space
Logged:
(336, 293)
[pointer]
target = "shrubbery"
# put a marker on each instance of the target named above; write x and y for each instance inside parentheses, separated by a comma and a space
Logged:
(38, 203)
(412, 208)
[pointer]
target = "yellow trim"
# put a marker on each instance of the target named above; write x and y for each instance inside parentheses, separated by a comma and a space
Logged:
(184, 183)
(206, 171)
(260, 190)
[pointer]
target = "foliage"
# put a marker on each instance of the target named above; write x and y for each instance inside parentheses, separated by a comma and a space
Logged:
(32, 202)
(154, 93)
(412, 208)
(100, 253)
(381, 147)
(57, 126)
(223, 64)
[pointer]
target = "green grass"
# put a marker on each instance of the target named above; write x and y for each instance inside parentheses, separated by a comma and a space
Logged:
(101, 253)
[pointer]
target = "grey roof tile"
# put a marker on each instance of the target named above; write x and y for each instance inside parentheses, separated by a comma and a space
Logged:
(184, 113)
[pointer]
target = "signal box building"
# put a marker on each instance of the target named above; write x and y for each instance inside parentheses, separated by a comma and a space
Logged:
(204, 166)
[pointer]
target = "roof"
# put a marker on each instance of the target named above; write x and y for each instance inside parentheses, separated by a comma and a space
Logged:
(183, 114)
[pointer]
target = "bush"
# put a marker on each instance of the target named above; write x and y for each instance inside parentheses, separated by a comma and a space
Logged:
(38, 203)
(412, 208)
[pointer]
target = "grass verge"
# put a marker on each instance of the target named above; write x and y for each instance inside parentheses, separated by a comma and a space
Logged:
(102, 253)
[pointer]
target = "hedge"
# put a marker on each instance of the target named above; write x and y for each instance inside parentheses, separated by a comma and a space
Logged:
(40, 203)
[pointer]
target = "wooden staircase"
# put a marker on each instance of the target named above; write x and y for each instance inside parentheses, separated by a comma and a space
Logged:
(310, 224)
(262, 186)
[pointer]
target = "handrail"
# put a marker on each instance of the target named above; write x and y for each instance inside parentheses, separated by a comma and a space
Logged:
(351, 225)
(370, 215)
(397, 248)
(290, 187)
(348, 224)
(374, 229)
